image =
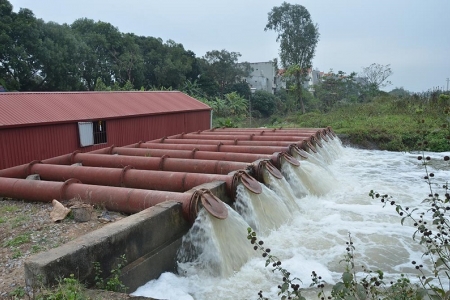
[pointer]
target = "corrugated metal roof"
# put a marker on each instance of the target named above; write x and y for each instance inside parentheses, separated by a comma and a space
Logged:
(56, 107)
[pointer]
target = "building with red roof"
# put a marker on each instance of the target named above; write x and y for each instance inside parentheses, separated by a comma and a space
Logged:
(36, 126)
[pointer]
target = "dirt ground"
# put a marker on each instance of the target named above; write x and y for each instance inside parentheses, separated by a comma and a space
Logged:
(26, 229)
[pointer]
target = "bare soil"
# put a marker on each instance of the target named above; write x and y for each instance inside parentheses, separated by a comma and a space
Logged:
(26, 229)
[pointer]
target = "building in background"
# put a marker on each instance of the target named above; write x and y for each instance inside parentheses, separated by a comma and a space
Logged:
(265, 76)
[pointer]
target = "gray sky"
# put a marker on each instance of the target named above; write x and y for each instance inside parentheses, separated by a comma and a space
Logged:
(413, 36)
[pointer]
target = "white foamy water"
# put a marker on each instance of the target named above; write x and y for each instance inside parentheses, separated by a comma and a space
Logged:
(314, 240)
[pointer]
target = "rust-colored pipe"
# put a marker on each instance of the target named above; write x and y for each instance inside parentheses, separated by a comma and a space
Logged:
(255, 147)
(190, 154)
(225, 142)
(222, 148)
(142, 163)
(299, 140)
(112, 198)
(275, 158)
(142, 179)
(323, 133)
(318, 135)
(246, 137)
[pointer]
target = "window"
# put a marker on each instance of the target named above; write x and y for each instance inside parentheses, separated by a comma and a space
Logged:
(99, 132)
(92, 133)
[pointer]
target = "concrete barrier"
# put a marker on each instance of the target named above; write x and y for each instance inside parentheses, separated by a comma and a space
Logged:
(149, 240)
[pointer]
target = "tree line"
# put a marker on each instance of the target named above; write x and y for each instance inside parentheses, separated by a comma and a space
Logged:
(92, 55)
(47, 56)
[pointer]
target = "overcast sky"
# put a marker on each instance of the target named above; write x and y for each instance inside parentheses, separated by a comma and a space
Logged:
(413, 36)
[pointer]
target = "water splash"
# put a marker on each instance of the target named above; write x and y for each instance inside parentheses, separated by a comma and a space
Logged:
(317, 181)
(335, 145)
(315, 239)
(325, 153)
(310, 157)
(215, 247)
(263, 212)
(284, 190)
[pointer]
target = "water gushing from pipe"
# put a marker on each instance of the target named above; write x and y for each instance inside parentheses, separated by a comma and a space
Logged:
(263, 212)
(215, 247)
(316, 180)
(283, 189)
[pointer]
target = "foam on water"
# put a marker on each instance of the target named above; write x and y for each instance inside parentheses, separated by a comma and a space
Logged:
(315, 239)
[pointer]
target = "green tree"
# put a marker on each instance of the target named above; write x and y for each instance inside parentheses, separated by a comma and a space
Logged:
(222, 66)
(338, 87)
(62, 56)
(20, 46)
(103, 40)
(298, 37)
(264, 102)
(128, 61)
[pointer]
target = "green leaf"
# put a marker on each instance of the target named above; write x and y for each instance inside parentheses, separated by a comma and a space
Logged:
(347, 278)
(428, 280)
(402, 220)
(440, 262)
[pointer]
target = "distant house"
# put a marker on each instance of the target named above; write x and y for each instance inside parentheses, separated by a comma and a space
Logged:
(265, 76)
(36, 126)
(314, 77)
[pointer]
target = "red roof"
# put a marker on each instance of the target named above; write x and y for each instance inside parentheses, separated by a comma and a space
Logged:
(60, 107)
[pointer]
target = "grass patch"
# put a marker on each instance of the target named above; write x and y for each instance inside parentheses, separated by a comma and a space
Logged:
(19, 221)
(18, 240)
(16, 254)
(2, 220)
(8, 209)
(36, 249)
(391, 125)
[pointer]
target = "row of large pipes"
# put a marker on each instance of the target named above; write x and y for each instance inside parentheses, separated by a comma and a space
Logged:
(119, 199)
(144, 174)
(133, 178)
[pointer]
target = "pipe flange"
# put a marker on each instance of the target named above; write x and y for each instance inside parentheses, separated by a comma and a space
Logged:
(62, 190)
(122, 175)
(300, 152)
(248, 181)
(290, 159)
(213, 205)
(193, 152)
(310, 146)
(110, 149)
(29, 166)
(267, 164)
(72, 155)
(323, 135)
(161, 162)
(315, 141)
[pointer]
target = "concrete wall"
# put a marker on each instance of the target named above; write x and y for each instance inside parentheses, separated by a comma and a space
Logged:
(149, 240)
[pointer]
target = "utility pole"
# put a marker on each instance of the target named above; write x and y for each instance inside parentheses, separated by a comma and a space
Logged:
(447, 83)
